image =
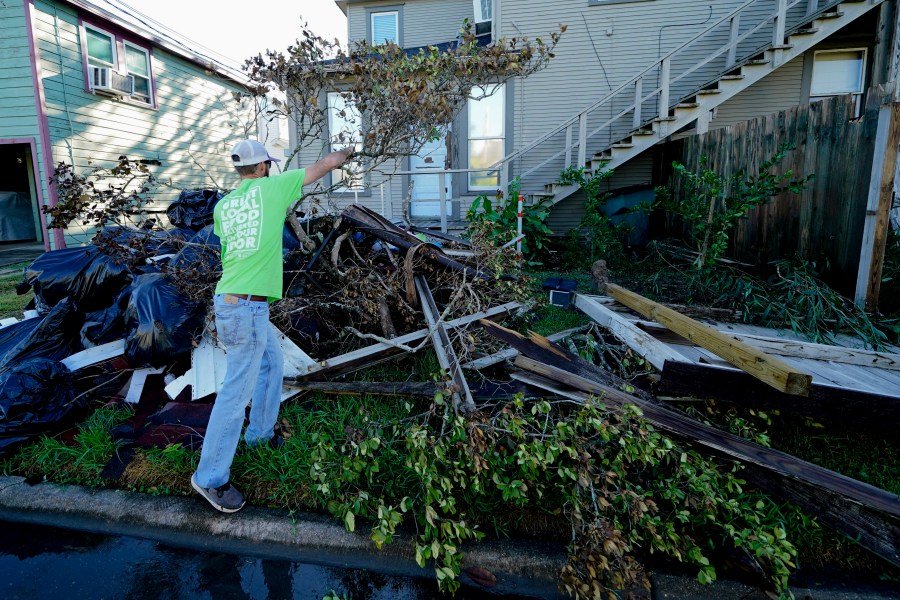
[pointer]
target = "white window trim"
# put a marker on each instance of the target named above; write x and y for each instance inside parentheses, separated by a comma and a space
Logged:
(396, 15)
(501, 137)
(862, 72)
(479, 17)
(149, 76)
(115, 47)
(332, 146)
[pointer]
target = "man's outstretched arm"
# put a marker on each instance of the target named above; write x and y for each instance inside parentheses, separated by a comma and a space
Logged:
(329, 163)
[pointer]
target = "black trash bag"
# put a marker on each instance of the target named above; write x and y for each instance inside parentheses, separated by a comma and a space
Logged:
(199, 261)
(160, 323)
(194, 208)
(37, 397)
(107, 325)
(91, 279)
(289, 240)
(55, 336)
(11, 335)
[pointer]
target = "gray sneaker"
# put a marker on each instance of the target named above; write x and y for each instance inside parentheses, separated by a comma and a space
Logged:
(224, 498)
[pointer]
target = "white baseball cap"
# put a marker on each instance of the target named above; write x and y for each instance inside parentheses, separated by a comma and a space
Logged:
(250, 152)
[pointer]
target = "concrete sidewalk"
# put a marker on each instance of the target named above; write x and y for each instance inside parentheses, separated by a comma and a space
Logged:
(525, 568)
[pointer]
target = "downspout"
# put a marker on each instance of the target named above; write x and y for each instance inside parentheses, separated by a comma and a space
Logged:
(41, 106)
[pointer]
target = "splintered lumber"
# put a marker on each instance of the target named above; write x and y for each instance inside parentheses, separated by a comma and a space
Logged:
(440, 339)
(856, 509)
(363, 219)
(768, 369)
(540, 348)
(509, 353)
(383, 351)
(425, 389)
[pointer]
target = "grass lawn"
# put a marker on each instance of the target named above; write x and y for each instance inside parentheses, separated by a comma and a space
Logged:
(11, 304)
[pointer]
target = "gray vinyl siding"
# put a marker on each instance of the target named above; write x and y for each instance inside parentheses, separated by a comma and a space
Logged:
(424, 21)
(777, 91)
(190, 133)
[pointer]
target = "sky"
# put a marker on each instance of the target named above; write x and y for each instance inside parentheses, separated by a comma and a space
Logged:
(238, 30)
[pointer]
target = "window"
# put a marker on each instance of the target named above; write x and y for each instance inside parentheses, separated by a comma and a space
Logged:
(344, 129)
(838, 72)
(484, 15)
(127, 62)
(385, 27)
(101, 48)
(487, 135)
(137, 64)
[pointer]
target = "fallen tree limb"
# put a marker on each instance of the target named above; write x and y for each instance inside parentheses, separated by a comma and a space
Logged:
(510, 353)
(768, 369)
(856, 509)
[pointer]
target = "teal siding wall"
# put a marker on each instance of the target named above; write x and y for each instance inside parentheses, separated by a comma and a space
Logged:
(18, 109)
(195, 125)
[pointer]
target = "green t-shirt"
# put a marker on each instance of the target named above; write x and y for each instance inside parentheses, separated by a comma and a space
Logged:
(249, 221)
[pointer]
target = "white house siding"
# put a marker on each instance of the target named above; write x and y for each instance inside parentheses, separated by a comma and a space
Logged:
(190, 134)
(424, 21)
(776, 92)
(18, 109)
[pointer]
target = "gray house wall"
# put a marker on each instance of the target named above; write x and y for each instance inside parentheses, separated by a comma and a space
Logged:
(606, 45)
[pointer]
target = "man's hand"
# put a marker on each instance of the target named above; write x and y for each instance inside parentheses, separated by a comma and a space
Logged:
(328, 163)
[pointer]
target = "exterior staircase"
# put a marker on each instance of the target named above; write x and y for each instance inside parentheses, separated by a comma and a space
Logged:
(749, 43)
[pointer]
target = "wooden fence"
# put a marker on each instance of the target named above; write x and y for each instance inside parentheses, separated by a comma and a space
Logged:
(826, 220)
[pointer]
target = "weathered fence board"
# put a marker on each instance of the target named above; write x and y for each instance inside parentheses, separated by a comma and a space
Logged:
(826, 220)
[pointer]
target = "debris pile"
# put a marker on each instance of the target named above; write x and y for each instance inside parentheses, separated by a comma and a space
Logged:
(137, 302)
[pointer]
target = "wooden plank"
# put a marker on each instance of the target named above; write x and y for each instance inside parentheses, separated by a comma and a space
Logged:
(440, 339)
(856, 509)
(768, 369)
(382, 351)
(843, 407)
(540, 348)
(651, 349)
(424, 389)
(510, 353)
(878, 207)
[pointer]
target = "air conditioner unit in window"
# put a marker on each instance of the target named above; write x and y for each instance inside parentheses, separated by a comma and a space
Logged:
(104, 80)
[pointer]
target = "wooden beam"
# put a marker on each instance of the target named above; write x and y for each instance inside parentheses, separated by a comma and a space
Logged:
(839, 406)
(858, 510)
(878, 207)
(540, 348)
(510, 353)
(383, 351)
(440, 339)
(654, 351)
(771, 370)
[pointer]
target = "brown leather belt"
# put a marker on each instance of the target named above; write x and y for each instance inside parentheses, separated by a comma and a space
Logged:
(233, 298)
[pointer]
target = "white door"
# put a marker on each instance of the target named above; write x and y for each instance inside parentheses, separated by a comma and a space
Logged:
(426, 193)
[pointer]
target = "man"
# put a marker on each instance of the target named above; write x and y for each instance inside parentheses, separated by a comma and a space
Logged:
(249, 221)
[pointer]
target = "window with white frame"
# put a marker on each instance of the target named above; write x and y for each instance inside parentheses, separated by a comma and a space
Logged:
(484, 15)
(487, 135)
(345, 129)
(385, 27)
(101, 48)
(125, 61)
(837, 72)
(137, 64)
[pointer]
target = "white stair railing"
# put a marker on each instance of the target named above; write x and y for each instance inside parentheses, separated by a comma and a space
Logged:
(747, 31)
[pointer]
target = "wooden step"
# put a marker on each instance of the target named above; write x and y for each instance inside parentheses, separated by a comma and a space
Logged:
(709, 92)
(831, 15)
(664, 119)
(687, 105)
(643, 132)
(806, 31)
(781, 47)
(731, 77)
(623, 145)
(757, 61)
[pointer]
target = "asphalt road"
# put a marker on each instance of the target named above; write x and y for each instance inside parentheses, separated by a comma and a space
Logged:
(42, 562)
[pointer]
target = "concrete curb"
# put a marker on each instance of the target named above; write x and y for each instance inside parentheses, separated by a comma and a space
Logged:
(527, 568)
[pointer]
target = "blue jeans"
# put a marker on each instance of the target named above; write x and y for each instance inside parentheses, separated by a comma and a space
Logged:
(254, 370)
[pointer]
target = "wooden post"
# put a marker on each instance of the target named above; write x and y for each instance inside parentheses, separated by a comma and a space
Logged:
(878, 208)
(768, 369)
(638, 101)
(442, 190)
(664, 75)
(582, 140)
(812, 6)
(735, 33)
(568, 146)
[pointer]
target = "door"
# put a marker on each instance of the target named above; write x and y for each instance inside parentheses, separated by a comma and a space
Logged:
(19, 215)
(426, 193)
